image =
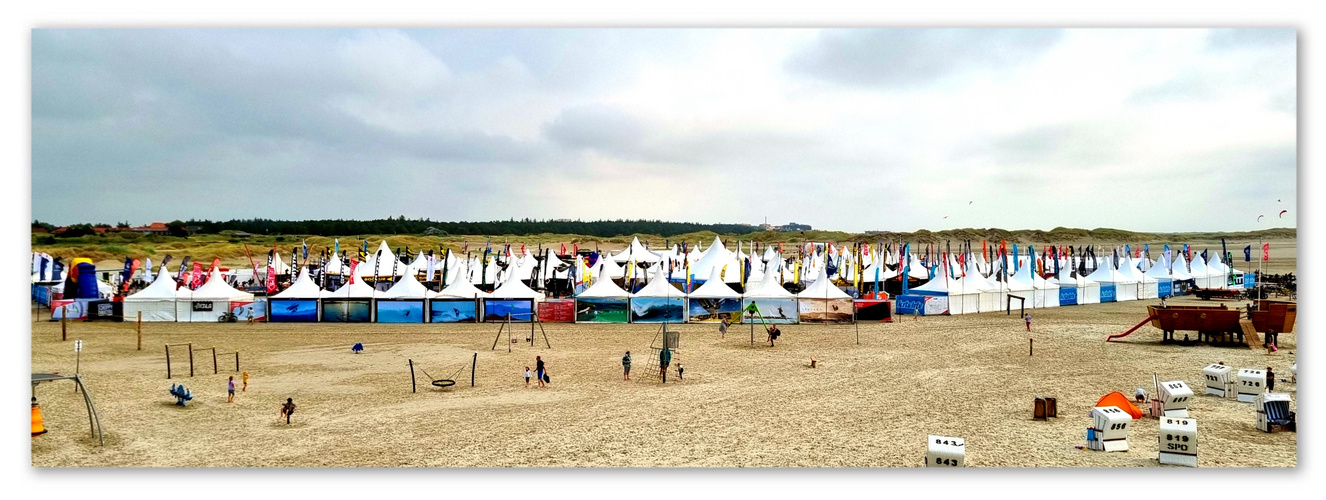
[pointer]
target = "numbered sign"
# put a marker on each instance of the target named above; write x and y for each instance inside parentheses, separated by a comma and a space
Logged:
(1272, 410)
(943, 451)
(78, 346)
(1251, 383)
(1218, 380)
(1178, 441)
(1174, 398)
(1110, 429)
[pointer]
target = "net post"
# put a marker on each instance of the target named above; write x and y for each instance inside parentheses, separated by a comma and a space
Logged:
(190, 359)
(167, 361)
(140, 330)
(214, 369)
(474, 361)
(413, 387)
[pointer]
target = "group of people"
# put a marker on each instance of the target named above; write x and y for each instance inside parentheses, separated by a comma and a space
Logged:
(664, 360)
(286, 409)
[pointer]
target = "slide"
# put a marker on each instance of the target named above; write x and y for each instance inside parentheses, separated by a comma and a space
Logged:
(1130, 330)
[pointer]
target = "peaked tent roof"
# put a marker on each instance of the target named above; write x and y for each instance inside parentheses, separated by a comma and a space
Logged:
(768, 288)
(603, 288)
(1179, 270)
(1106, 273)
(458, 289)
(941, 283)
(162, 288)
(302, 288)
(715, 288)
(659, 286)
(514, 289)
(407, 288)
(822, 289)
(356, 290)
(216, 288)
(636, 251)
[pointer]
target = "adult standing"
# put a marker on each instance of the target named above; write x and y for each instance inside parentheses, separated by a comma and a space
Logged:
(722, 327)
(1270, 379)
(538, 369)
(664, 359)
(626, 366)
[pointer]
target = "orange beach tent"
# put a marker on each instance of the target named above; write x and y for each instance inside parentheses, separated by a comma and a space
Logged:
(1117, 398)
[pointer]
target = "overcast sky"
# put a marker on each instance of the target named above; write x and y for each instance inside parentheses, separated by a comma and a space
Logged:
(847, 129)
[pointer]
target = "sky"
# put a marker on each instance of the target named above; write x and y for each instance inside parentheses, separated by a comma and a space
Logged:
(1143, 129)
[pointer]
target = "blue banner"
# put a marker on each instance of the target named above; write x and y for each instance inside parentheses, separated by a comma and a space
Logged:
(1107, 293)
(1068, 296)
(910, 304)
(1164, 288)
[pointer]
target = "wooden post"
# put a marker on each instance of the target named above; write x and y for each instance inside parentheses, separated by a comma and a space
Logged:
(412, 385)
(1031, 346)
(214, 370)
(237, 361)
(473, 362)
(64, 334)
(167, 361)
(508, 332)
(190, 359)
(140, 330)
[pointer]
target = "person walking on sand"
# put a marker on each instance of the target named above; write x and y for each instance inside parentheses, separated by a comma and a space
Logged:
(1270, 379)
(539, 369)
(286, 410)
(680, 370)
(245, 377)
(664, 359)
(722, 327)
(774, 333)
(230, 390)
(527, 375)
(1028, 320)
(626, 366)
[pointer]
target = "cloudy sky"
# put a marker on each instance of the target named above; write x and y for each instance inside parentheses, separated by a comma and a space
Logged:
(848, 129)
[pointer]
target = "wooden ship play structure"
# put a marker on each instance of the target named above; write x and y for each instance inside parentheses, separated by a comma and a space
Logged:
(1221, 325)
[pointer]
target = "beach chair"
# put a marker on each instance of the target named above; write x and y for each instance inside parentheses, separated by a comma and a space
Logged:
(1045, 408)
(182, 394)
(1273, 412)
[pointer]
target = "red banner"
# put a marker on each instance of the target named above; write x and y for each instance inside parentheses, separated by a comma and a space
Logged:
(271, 281)
(1266, 252)
(196, 278)
(353, 264)
(132, 269)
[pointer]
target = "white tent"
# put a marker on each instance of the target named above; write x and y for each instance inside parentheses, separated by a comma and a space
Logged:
(1199, 272)
(776, 304)
(157, 301)
(515, 289)
(302, 288)
(1217, 273)
(215, 293)
(659, 287)
(1160, 274)
(407, 288)
(1125, 287)
(946, 286)
(603, 288)
(383, 261)
(821, 288)
(1179, 270)
(356, 290)
(459, 289)
(637, 252)
(714, 288)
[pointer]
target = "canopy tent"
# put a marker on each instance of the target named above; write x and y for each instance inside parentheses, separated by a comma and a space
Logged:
(514, 289)
(299, 302)
(1217, 273)
(822, 302)
(1037, 291)
(1199, 272)
(157, 301)
(402, 303)
(1178, 271)
(1114, 285)
(383, 262)
(1147, 287)
(714, 300)
(775, 303)
(1160, 273)
(352, 302)
(603, 288)
(960, 300)
(210, 301)
(637, 252)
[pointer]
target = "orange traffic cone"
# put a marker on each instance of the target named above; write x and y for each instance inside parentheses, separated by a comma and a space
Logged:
(37, 427)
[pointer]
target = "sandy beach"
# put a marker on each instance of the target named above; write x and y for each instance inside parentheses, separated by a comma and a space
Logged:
(866, 405)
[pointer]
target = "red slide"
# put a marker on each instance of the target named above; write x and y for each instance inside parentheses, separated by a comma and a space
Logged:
(1130, 330)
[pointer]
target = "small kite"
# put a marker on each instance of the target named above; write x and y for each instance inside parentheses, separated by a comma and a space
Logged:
(969, 203)
(1282, 213)
(945, 216)
(1259, 218)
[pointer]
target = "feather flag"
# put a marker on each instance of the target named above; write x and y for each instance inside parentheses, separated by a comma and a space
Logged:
(1266, 252)
(354, 263)
(184, 277)
(197, 277)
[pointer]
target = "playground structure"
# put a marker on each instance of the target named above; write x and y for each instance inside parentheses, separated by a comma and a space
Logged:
(182, 394)
(191, 350)
(94, 421)
(506, 327)
(671, 341)
(1220, 325)
(442, 382)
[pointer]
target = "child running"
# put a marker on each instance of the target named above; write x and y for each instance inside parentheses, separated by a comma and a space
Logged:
(230, 389)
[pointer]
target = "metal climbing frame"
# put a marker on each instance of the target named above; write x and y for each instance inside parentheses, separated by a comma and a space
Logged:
(94, 421)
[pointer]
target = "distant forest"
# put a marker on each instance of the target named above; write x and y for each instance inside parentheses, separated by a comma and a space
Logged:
(401, 225)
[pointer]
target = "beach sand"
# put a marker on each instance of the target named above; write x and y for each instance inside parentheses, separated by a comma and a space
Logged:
(866, 405)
